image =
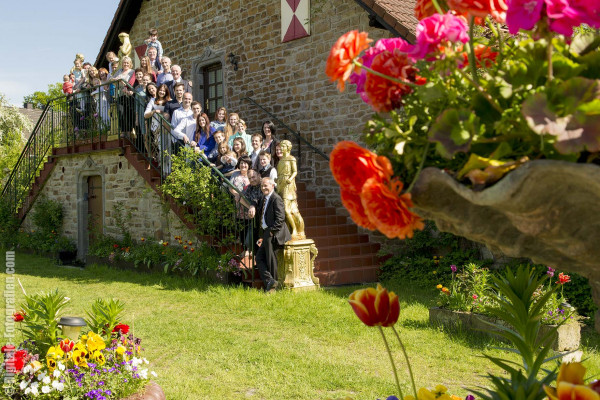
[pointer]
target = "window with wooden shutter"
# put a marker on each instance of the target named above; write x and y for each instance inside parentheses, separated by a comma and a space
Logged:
(295, 19)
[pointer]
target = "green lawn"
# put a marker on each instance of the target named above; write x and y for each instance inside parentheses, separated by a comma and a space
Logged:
(213, 342)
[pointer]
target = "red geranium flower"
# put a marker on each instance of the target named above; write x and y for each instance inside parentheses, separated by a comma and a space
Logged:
(384, 94)
(9, 348)
(351, 166)
(115, 246)
(424, 9)
(339, 63)
(16, 362)
(121, 328)
(19, 316)
(389, 210)
(562, 278)
(353, 204)
(480, 8)
(484, 56)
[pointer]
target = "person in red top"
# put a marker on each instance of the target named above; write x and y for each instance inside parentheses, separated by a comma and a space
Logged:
(67, 87)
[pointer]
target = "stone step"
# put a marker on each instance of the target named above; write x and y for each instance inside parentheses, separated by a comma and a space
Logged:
(315, 211)
(324, 231)
(324, 220)
(340, 240)
(354, 249)
(346, 262)
(362, 274)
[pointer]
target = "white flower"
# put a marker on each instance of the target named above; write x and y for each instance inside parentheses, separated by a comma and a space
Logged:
(41, 376)
(58, 385)
(34, 385)
(143, 373)
(61, 366)
(35, 392)
(145, 361)
(153, 374)
(27, 369)
(56, 373)
(136, 362)
(46, 389)
(46, 380)
(28, 390)
(23, 385)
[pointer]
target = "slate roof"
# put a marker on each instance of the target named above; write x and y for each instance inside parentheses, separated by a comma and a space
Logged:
(398, 16)
(33, 114)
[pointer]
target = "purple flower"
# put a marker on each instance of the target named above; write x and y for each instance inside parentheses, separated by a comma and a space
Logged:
(439, 29)
(96, 115)
(550, 272)
(453, 268)
(76, 129)
(82, 118)
(470, 397)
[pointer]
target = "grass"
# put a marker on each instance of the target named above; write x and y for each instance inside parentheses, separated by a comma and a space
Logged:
(207, 341)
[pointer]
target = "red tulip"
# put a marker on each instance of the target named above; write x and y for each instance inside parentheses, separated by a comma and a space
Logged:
(562, 278)
(67, 345)
(375, 307)
(19, 316)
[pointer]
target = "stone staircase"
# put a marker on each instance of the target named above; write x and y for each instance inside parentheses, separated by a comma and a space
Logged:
(345, 255)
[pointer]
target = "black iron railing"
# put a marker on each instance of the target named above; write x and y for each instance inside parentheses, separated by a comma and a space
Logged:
(299, 142)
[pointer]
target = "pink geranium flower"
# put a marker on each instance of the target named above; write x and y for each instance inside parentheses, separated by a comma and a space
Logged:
(359, 77)
(523, 14)
(439, 29)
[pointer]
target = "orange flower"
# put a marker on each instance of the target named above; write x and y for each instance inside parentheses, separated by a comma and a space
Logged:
(143, 239)
(388, 210)
(352, 165)
(185, 247)
(339, 63)
(190, 242)
(424, 9)
(165, 243)
(192, 249)
(354, 206)
(570, 384)
(484, 56)
(562, 278)
(375, 307)
(480, 8)
(384, 94)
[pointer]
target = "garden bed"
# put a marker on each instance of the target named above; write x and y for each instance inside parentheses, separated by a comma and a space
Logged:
(209, 275)
(567, 339)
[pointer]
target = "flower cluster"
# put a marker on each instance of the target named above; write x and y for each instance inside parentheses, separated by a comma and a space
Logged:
(372, 196)
(570, 384)
(470, 90)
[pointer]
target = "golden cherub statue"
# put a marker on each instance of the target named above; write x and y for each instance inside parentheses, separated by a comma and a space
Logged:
(286, 187)
(125, 49)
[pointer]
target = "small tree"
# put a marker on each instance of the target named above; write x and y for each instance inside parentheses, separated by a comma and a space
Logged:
(12, 125)
(39, 99)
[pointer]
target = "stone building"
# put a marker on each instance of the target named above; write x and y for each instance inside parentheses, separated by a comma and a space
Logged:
(264, 60)
(264, 54)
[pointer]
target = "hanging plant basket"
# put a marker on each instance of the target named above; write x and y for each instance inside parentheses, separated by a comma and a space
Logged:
(545, 210)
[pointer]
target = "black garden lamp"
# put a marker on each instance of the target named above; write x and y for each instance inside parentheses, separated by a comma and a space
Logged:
(71, 326)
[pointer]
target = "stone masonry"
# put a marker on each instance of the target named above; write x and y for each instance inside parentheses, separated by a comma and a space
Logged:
(121, 183)
(286, 78)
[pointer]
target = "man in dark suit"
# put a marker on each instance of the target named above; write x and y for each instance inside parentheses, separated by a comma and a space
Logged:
(176, 73)
(275, 232)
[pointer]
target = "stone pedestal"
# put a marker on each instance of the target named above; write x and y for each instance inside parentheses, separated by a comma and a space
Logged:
(296, 265)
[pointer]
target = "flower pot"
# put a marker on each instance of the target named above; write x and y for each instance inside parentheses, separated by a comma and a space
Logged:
(545, 210)
(152, 391)
(568, 336)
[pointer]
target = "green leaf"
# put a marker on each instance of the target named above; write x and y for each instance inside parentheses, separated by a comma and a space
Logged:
(453, 131)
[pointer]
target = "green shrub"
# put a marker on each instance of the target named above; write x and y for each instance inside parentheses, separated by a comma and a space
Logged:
(47, 215)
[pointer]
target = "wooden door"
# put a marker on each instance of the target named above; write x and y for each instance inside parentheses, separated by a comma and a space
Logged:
(95, 225)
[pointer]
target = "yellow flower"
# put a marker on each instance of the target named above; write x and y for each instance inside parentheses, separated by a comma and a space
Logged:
(570, 384)
(55, 352)
(439, 286)
(51, 362)
(35, 366)
(94, 342)
(120, 351)
(79, 358)
(98, 357)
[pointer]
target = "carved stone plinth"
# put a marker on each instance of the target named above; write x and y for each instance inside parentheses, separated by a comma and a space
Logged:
(296, 265)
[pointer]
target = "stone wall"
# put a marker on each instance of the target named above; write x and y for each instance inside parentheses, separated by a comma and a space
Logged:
(121, 183)
(287, 79)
